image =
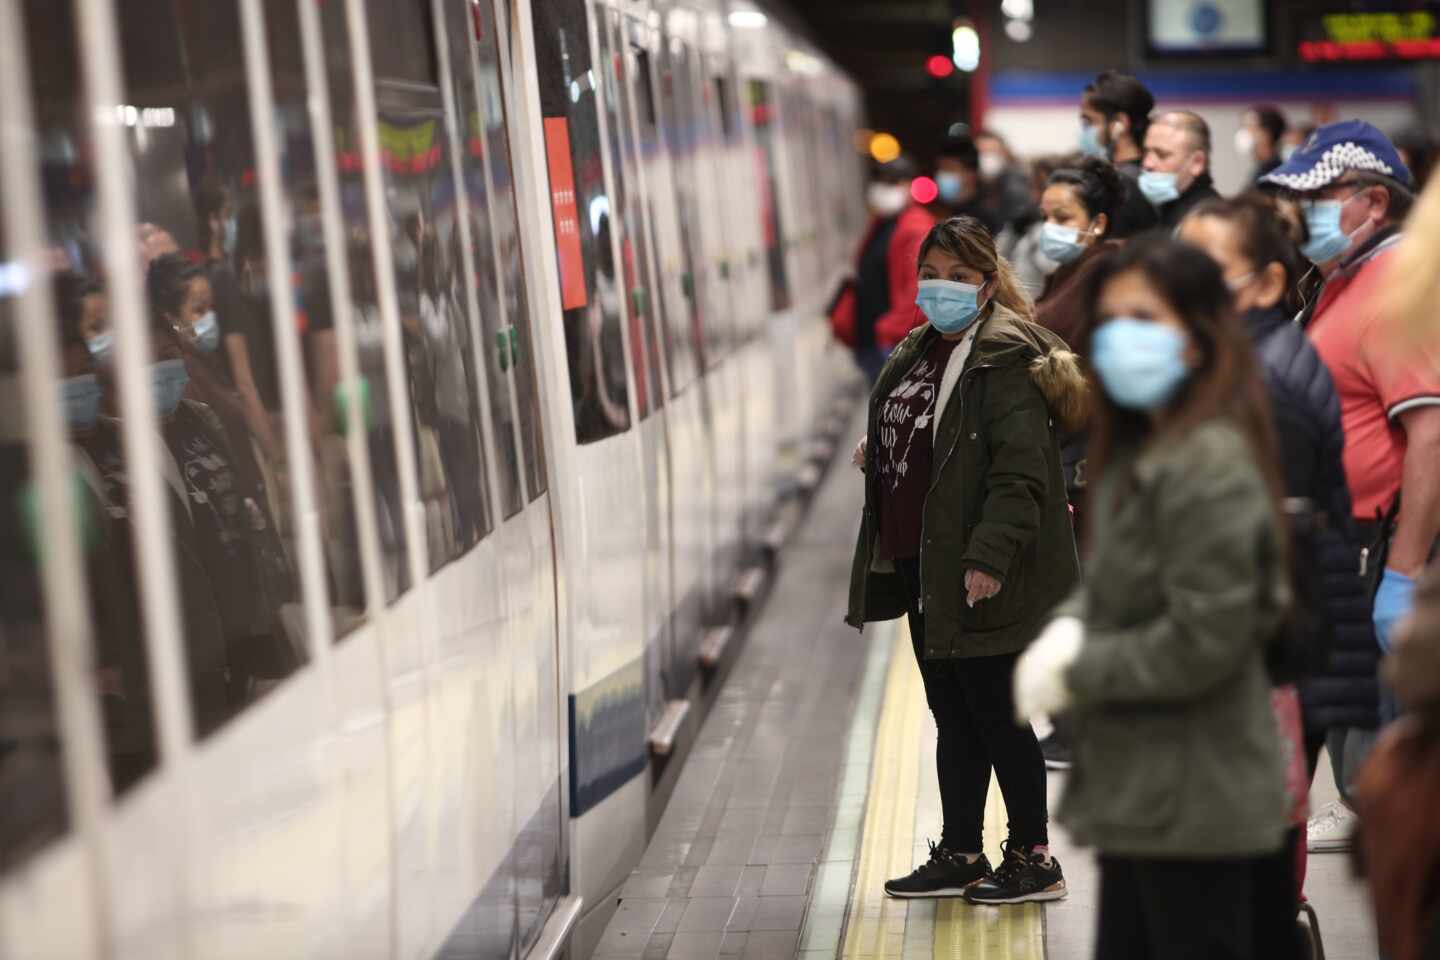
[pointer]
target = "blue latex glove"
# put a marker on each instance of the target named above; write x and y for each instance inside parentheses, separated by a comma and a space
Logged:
(1392, 604)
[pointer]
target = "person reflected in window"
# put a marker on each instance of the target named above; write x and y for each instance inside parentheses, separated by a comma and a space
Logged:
(121, 673)
(245, 344)
(229, 500)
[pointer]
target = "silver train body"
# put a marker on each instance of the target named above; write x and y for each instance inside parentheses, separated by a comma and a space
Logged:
(378, 641)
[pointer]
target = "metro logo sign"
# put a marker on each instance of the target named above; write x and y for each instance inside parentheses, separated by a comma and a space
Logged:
(1374, 36)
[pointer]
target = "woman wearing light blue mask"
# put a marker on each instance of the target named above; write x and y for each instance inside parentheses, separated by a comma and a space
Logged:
(966, 532)
(1160, 655)
(1079, 204)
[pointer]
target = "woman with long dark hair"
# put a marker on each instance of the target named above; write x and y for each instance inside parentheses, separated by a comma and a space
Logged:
(1160, 655)
(966, 532)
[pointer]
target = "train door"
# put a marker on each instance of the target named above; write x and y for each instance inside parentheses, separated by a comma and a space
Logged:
(592, 411)
(711, 96)
(642, 312)
(691, 480)
(537, 867)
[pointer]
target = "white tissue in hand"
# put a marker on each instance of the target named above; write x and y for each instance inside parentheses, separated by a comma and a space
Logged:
(1040, 673)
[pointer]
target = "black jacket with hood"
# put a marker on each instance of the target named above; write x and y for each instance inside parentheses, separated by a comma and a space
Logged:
(1340, 690)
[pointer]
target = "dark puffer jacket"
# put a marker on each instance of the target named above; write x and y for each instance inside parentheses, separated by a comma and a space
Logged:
(1341, 691)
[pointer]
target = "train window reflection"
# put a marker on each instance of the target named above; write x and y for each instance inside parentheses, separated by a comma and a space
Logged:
(498, 342)
(590, 288)
(504, 220)
(634, 294)
(32, 787)
(762, 110)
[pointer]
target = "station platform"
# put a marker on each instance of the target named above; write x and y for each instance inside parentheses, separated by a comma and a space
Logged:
(813, 781)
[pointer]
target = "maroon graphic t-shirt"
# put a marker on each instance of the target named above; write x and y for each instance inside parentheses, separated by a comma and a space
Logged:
(905, 450)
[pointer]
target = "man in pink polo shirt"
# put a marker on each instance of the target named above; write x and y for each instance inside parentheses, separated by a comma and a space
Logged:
(1356, 191)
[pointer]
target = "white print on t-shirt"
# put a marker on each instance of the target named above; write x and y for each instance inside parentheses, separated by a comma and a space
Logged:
(894, 420)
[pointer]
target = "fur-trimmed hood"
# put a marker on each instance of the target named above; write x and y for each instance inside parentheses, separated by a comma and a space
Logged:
(1006, 337)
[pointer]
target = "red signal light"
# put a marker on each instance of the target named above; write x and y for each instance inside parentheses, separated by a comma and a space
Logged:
(923, 190)
(939, 67)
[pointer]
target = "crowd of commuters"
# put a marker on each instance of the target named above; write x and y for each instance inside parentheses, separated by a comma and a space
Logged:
(1232, 406)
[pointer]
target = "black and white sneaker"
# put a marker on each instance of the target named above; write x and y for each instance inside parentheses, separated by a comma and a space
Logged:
(1056, 749)
(1023, 877)
(945, 874)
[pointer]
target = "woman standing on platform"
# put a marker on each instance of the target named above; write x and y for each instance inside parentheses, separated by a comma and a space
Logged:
(966, 531)
(1160, 655)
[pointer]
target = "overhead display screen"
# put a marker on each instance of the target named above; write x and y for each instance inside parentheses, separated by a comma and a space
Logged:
(1189, 28)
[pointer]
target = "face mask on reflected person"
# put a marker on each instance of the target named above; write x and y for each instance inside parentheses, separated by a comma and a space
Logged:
(168, 380)
(949, 305)
(887, 199)
(1140, 364)
(82, 400)
(206, 332)
(100, 346)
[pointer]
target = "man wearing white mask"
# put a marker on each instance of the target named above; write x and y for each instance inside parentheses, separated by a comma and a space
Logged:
(1177, 165)
(1258, 139)
(875, 307)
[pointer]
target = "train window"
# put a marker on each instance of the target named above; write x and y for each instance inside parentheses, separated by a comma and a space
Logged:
(403, 48)
(589, 286)
(725, 104)
(682, 134)
(443, 388)
(32, 787)
(231, 520)
(632, 291)
(644, 296)
(762, 110)
(497, 344)
(505, 221)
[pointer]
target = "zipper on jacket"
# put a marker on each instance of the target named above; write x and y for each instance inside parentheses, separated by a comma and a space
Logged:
(935, 474)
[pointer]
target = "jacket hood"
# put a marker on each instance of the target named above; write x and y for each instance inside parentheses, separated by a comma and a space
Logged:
(1006, 338)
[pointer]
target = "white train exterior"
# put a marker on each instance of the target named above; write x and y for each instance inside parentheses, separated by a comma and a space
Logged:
(550, 351)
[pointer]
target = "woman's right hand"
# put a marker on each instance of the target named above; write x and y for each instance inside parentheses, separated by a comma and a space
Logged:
(858, 457)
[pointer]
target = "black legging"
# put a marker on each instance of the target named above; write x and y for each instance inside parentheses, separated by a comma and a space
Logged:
(974, 712)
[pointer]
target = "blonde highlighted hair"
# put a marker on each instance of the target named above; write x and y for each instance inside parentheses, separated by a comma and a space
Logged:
(1414, 283)
(967, 240)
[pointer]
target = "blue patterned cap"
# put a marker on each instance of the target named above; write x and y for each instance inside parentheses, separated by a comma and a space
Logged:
(1335, 149)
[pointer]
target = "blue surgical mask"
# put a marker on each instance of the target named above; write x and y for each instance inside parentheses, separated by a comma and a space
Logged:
(1140, 364)
(168, 380)
(1322, 221)
(950, 185)
(82, 400)
(100, 346)
(949, 306)
(206, 332)
(1159, 188)
(1090, 144)
(1061, 244)
(232, 230)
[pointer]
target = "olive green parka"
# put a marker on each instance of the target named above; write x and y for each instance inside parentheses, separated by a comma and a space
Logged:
(1176, 749)
(996, 501)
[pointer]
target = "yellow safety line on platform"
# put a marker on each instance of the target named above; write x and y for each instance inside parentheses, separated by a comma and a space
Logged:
(875, 927)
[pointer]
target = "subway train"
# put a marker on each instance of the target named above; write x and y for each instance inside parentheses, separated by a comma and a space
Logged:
(400, 398)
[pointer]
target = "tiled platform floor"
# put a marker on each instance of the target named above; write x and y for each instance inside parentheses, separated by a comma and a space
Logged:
(756, 855)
